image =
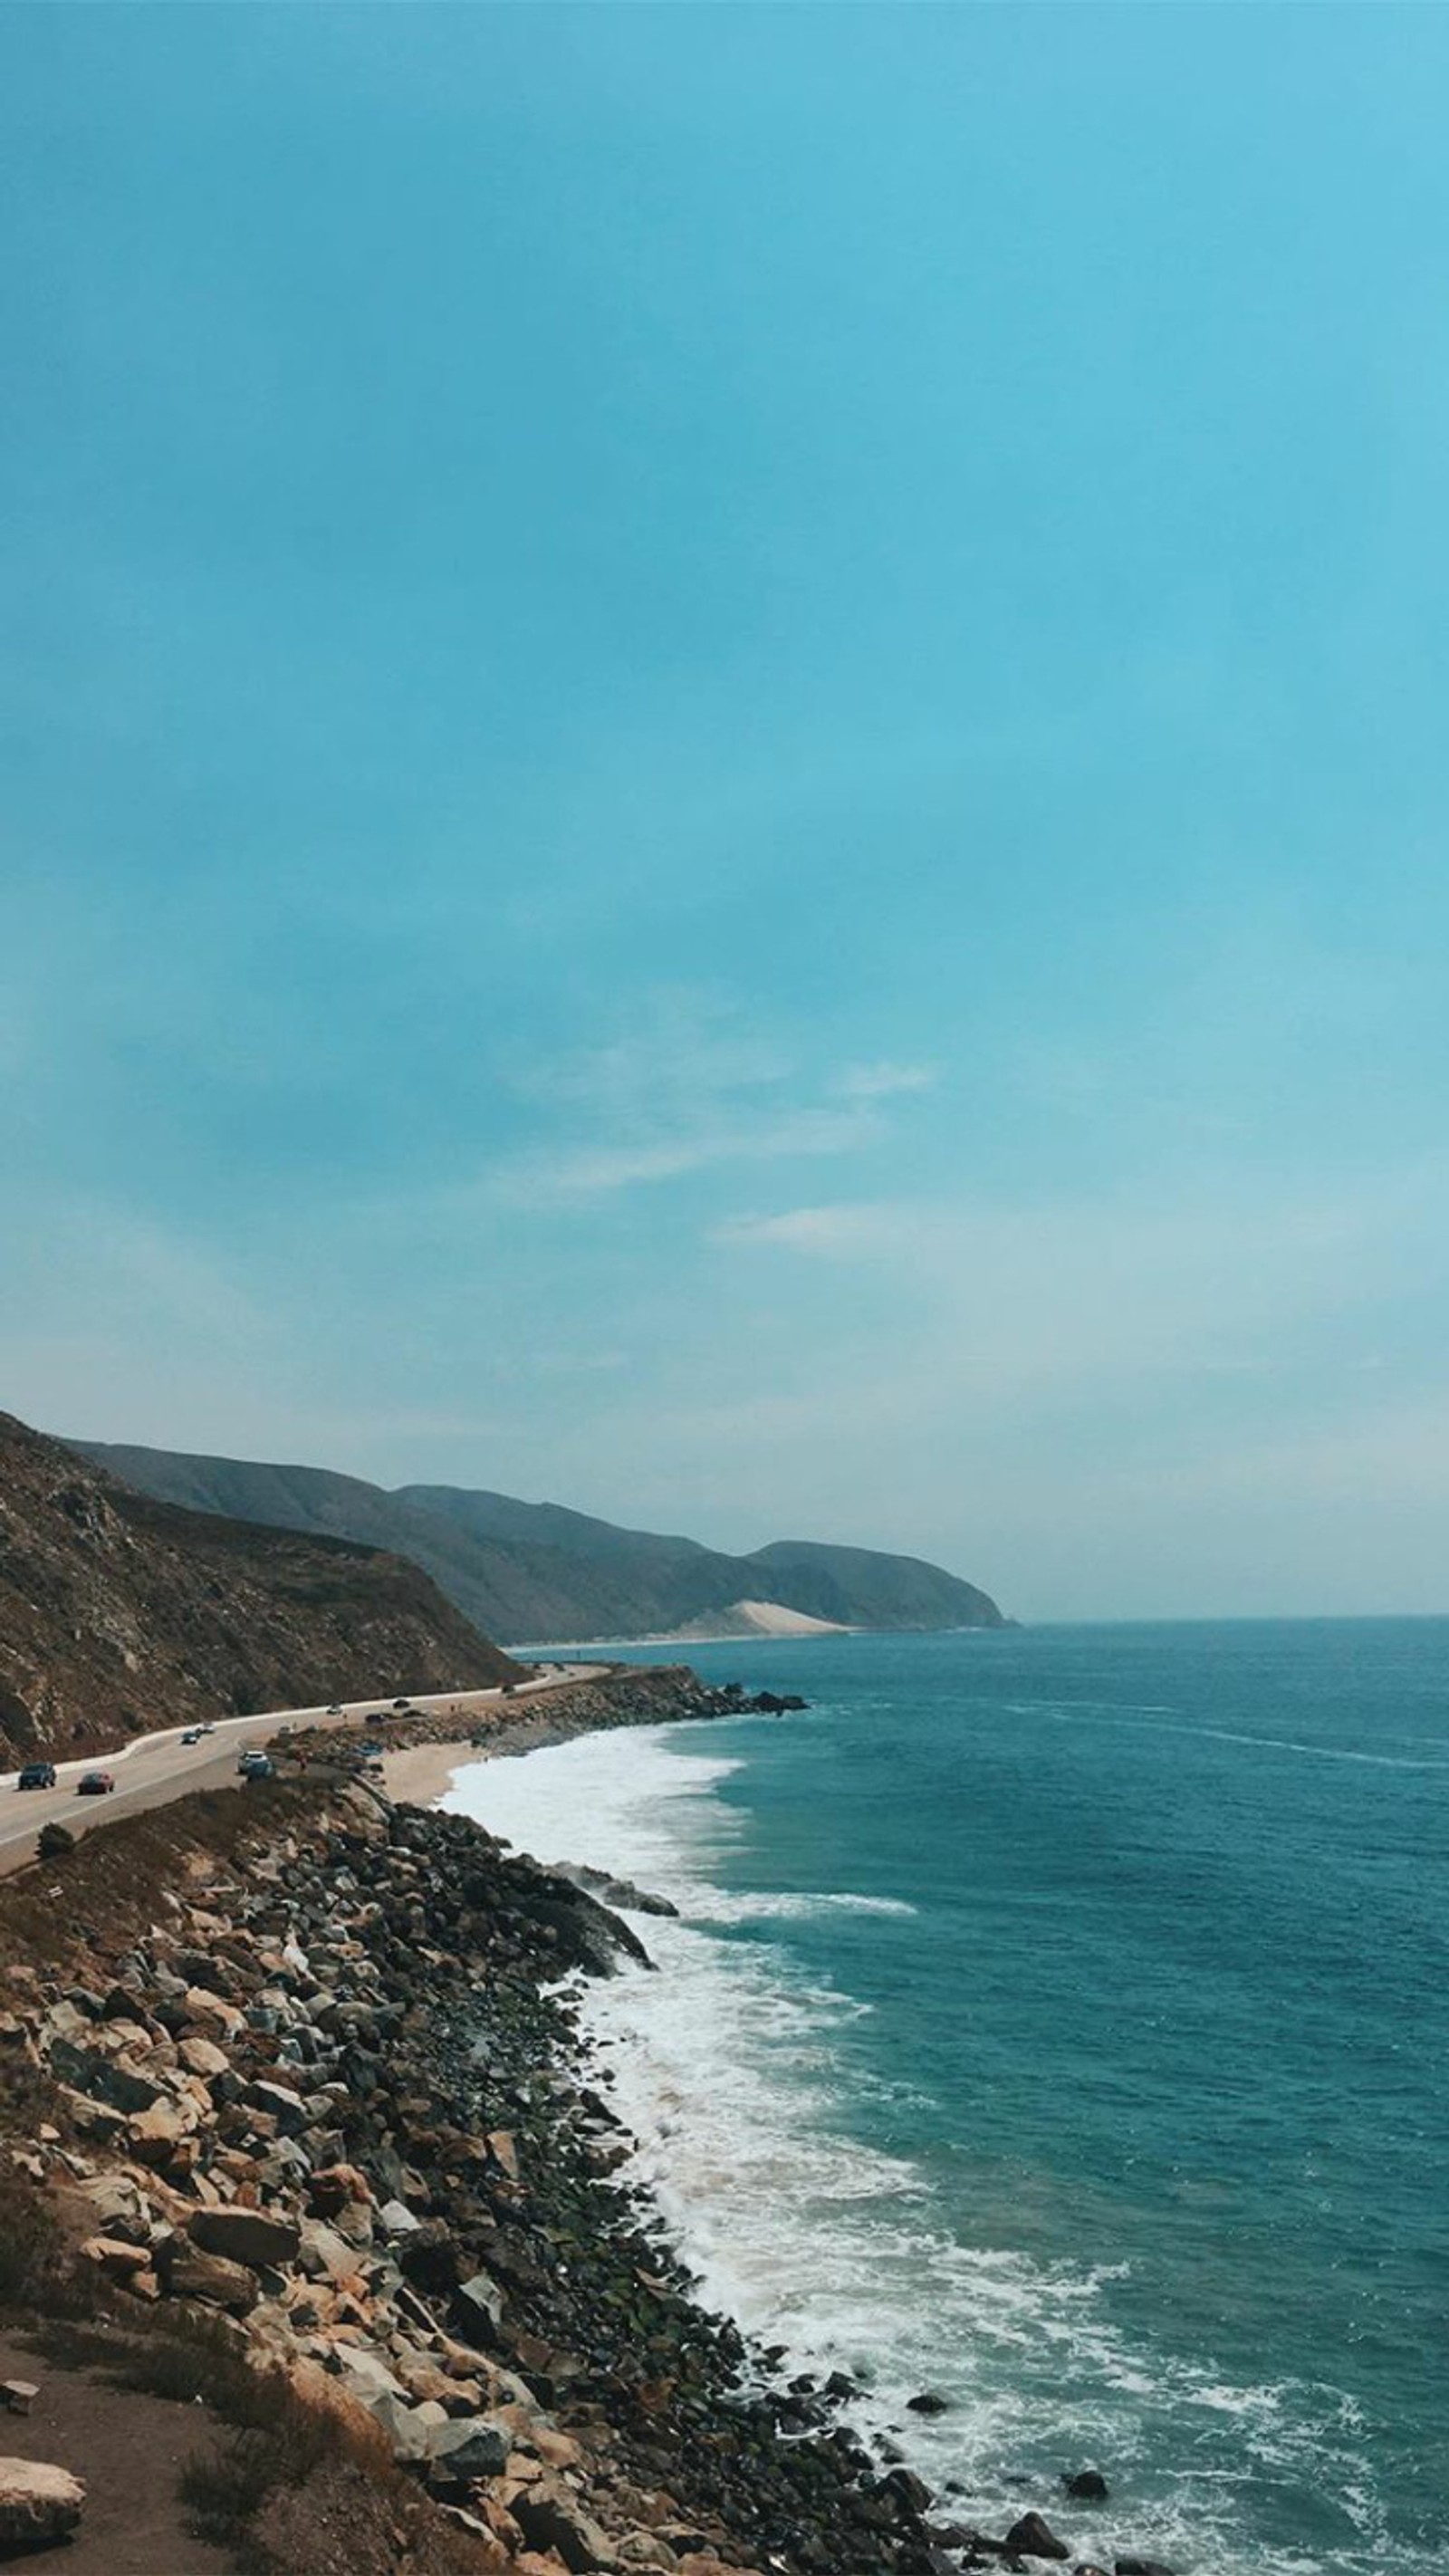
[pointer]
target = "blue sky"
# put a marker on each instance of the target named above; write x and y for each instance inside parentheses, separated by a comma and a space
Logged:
(725, 770)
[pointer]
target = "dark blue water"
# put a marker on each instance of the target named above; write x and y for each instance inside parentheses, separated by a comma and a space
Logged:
(1140, 2041)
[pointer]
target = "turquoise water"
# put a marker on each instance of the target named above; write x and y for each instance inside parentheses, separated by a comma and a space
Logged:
(1059, 2017)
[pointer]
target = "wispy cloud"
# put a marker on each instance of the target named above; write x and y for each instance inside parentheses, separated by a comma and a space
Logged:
(885, 1081)
(830, 1230)
(694, 1087)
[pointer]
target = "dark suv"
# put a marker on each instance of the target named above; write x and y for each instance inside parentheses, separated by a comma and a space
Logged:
(37, 1775)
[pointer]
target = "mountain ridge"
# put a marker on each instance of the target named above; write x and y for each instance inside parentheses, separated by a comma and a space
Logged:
(532, 1571)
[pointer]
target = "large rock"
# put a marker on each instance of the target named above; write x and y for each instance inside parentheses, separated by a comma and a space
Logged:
(410, 2430)
(428, 2257)
(280, 2103)
(1032, 2538)
(478, 2306)
(103, 2079)
(365, 2375)
(213, 2011)
(202, 2057)
(469, 2447)
(254, 2236)
(550, 2518)
(121, 2207)
(39, 2504)
(188, 2273)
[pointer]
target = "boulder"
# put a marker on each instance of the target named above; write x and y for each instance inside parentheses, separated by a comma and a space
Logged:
(101, 2078)
(115, 2258)
(1031, 2538)
(396, 2219)
(908, 2494)
(334, 2188)
(158, 2135)
(202, 2057)
(188, 2273)
(254, 2236)
(1087, 2485)
(928, 2403)
(410, 2430)
(120, 2206)
(280, 2103)
(550, 2518)
(365, 2375)
(469, 2447)
(478, 2305)
(1141, 2567)
(39, 2504)
(212, 2011)
(324, 2254)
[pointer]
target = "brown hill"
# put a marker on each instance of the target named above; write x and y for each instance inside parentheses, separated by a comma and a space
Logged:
(119, 1613)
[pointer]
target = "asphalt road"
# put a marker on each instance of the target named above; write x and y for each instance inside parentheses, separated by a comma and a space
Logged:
(156, 1768)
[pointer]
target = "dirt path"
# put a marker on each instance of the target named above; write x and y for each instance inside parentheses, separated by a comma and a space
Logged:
(129, 2450)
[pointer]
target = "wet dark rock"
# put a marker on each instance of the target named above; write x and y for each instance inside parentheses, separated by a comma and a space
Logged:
(1087, 2485)
(613, 1891)
(1141, 2567)
(1031, 2537)
(902, 2488)
(929, 2402)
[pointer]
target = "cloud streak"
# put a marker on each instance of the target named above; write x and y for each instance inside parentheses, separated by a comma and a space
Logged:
(693, 1089)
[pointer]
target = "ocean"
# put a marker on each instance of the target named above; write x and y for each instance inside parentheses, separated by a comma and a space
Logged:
(1058, 2020)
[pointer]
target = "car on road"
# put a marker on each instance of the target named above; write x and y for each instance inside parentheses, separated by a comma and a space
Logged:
(404, 1706)
(37, 1775)
(95, 1784)
(192, 1735)
(253, 1764)
(336, 1709)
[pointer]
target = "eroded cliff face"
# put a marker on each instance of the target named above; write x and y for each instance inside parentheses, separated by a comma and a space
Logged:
(119, 1613)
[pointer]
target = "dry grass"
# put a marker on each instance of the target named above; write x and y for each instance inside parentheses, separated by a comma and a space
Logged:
(38, 2279)
(116, 1877)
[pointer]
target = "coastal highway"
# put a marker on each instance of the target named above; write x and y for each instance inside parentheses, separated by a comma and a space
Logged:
(156, 1768)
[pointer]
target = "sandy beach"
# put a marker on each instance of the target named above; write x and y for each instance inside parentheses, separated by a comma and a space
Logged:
(423, 1773)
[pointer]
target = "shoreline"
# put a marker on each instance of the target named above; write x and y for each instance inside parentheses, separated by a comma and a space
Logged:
(419, 1770)
(415, 2198)
(410, 2200)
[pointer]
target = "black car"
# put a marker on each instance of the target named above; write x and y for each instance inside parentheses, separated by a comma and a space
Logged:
(37, 1775)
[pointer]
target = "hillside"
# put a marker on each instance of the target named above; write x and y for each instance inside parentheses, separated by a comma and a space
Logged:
(537, 1570)
(119, 1612)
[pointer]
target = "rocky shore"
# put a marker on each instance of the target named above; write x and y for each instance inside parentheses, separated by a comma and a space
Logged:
(309, 2074)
